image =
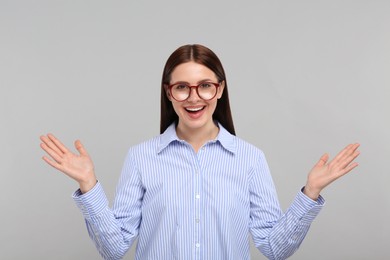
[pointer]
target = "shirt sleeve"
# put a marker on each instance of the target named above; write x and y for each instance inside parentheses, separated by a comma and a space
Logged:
(111, 231)
(275, 234)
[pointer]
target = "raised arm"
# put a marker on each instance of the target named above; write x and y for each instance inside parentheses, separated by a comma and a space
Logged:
(278, 235)
(77, 166)
(112, 237)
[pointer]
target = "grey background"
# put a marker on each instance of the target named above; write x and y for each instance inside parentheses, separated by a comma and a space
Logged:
(305, 77)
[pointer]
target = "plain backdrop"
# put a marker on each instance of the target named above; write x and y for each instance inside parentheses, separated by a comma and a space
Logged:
(305, 78)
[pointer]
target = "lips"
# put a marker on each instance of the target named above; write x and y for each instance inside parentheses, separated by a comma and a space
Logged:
(194, 109)
(195, 112)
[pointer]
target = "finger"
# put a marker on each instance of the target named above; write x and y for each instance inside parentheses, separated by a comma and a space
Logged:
(80, 147)
(58, 143)
(342, 153)
(345, 153)
(347, 160)
(350, 149)
(348, 169)
(52, 153)
(323, 160)
(50, 144)
(52, 163)
(346, 156)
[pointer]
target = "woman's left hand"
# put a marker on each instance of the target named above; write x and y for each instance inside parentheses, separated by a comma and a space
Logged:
(324, 172)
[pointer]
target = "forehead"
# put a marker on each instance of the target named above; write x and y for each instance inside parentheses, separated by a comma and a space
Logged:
(192, 72)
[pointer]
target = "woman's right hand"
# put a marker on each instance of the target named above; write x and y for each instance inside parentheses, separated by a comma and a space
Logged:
(77, 166)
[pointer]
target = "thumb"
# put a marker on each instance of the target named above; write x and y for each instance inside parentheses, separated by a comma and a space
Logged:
(79, 146)
(323, 160)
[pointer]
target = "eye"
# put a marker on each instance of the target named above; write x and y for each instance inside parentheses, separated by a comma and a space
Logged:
(206, 85)
(180, 87)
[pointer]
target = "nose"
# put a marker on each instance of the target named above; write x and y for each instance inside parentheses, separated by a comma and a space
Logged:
(193, 95)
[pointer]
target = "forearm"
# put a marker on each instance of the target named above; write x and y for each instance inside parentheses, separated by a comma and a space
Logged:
(280, 239)
(108, 234)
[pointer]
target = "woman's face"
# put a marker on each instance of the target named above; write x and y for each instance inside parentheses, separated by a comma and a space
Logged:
(194, 113)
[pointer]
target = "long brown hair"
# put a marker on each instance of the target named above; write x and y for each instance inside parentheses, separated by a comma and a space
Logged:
(204, 56)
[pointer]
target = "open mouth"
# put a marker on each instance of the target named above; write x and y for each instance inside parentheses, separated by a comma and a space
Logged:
(194, 110)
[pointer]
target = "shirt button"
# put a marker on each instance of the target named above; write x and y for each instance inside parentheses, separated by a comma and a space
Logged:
(197, 245)
(197, 196)
(197, 220)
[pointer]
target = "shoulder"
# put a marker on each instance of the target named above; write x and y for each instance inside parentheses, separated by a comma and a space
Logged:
(238, 146)
(142, 153)
(149, 146)
(245, 148)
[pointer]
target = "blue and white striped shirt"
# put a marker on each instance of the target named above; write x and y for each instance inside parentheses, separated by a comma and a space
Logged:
(187, 205)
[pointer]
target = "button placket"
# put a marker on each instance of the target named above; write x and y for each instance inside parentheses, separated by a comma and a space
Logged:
(197, 210)
(197, 198)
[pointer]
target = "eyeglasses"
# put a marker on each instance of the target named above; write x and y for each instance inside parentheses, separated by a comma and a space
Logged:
(205, 90)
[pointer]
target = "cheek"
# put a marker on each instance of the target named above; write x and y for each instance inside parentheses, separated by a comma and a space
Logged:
(213, 104)
(220, 92)
(175, 106)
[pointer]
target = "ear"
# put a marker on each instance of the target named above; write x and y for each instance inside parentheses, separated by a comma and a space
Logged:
(220, 89)
(167, 92)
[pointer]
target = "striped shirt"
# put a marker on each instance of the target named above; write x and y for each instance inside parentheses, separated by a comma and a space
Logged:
(187, 205)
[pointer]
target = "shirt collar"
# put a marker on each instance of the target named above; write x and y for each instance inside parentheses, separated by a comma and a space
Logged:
(167, 137)
(226, 139)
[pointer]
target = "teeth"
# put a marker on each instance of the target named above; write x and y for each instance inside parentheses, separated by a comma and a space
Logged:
(194, 109)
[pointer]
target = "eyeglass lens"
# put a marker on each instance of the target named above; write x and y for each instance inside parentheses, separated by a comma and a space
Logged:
(206, 91)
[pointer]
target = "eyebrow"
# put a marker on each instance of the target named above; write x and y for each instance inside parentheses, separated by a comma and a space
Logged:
(186, 82)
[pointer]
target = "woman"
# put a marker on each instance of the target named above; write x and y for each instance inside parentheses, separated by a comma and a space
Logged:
(195, 191)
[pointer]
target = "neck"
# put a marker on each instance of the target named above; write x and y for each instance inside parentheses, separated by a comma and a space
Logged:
(197, 137)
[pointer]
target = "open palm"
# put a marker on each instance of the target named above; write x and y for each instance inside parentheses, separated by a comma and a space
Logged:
(77, 166)
(324, 172)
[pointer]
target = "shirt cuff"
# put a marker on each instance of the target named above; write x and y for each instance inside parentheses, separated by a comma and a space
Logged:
(305, 208)
(91, 203)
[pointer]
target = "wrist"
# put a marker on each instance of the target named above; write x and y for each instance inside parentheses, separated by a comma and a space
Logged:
(311, 193)
(87, 185)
